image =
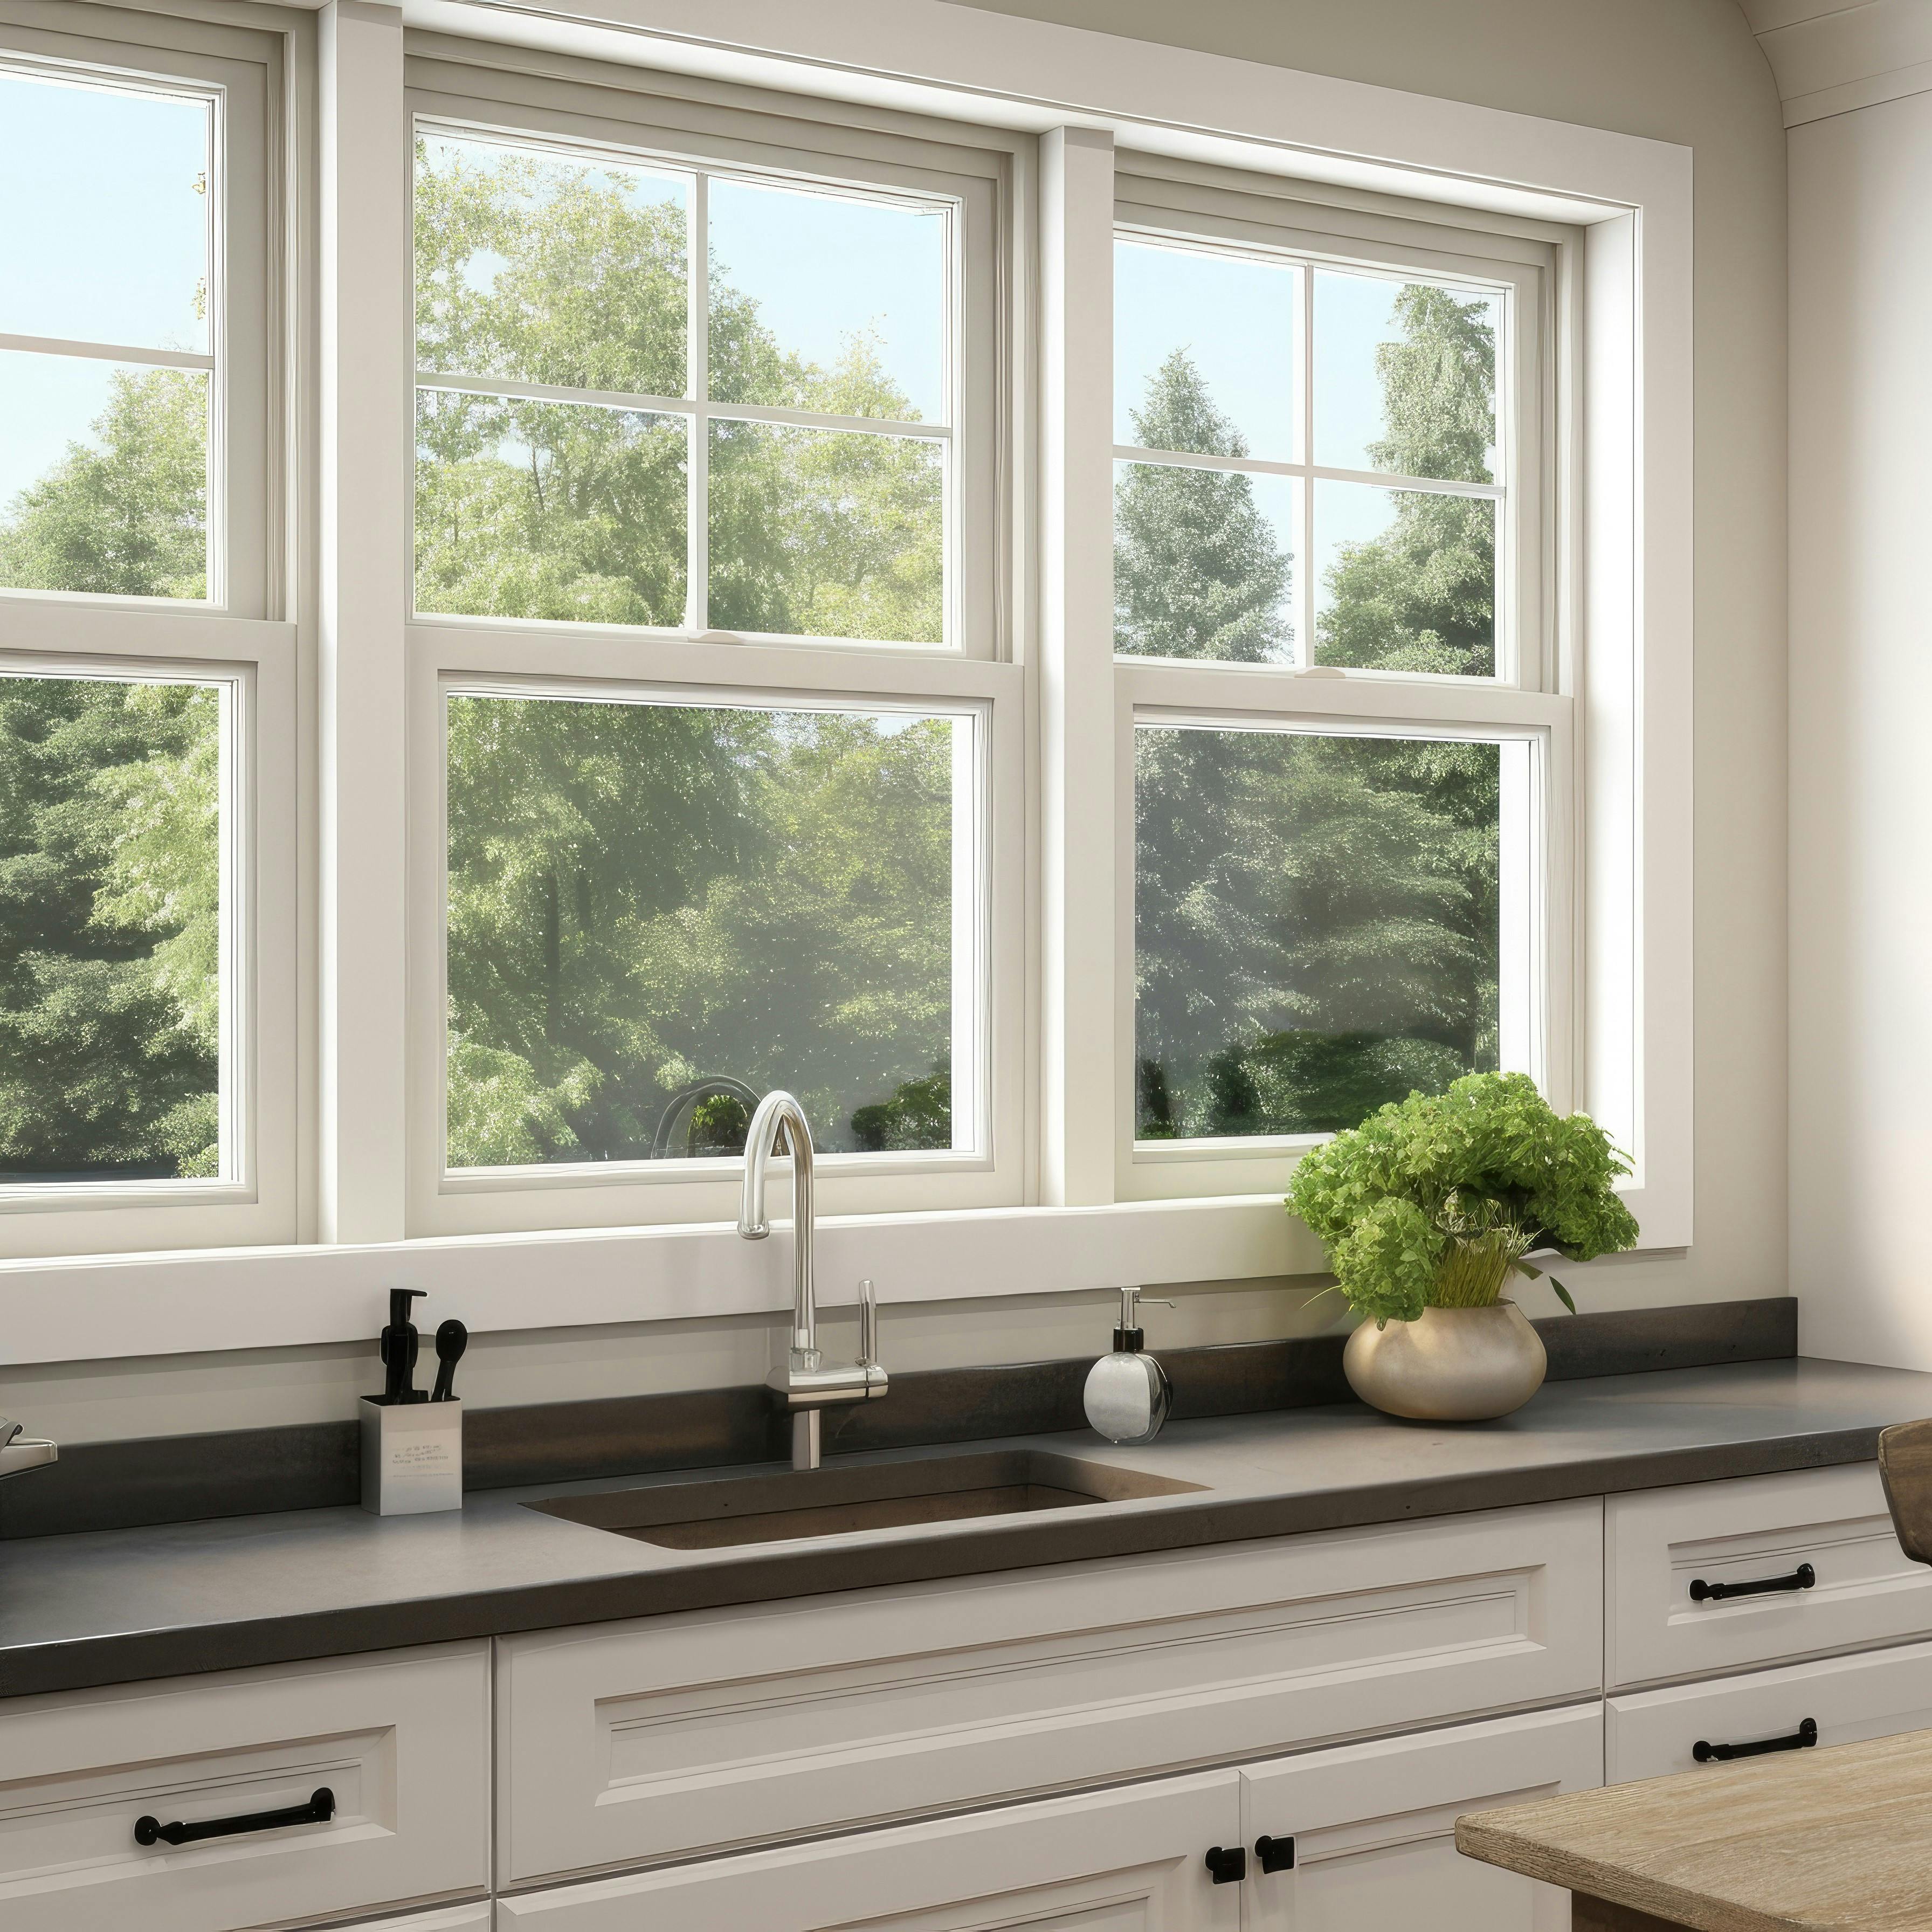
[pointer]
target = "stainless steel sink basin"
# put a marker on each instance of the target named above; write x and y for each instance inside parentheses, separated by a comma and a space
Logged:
(876, 1495)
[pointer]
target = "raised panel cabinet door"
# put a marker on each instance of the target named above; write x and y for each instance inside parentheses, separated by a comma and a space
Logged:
(1373, 1827)
(1708, 1578)
(1133, 1859)
(1876, 1693)
(712, 1732)
(475, 1918)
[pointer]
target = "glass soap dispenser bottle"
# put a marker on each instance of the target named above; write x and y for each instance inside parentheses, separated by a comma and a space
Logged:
(1128, 1393)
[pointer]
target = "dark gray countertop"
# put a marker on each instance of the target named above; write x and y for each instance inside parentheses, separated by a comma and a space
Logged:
(115, 1605)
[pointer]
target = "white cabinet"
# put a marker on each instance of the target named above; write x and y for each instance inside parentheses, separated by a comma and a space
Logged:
(1876, 1693)
(1131, 1859)
(1675, 1560)
(678, 1736)
(1373, 1827)
(399, 1742)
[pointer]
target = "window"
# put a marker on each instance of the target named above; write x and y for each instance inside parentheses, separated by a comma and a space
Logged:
(147, 728)
(655, 639)
(709, 669)
(1326, 432)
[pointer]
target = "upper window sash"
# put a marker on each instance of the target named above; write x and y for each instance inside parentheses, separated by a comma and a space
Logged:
(1323, 245)
(705, 144)
(238, 74)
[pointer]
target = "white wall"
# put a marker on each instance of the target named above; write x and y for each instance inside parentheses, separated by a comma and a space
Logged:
(1861, 701)
(1681, 70)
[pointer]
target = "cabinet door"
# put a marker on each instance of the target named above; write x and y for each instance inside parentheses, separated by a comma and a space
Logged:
(1133, 1859)
(1374, 1825)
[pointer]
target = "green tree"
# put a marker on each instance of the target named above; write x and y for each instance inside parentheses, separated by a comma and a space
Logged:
(1196, 571)
(1421, 597)
(110, 888)
(1316, 917)
(127, 515)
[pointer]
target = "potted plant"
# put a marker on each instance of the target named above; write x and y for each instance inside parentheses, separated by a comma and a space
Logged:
(1427, 1209)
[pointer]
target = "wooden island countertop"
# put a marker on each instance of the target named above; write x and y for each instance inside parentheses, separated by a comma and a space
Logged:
(1832, 1838)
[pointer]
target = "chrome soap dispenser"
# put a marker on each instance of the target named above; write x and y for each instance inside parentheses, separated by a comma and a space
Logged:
(1128, 1394)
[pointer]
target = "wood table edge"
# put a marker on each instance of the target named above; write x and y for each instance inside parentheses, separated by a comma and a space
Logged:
(1536, 1858)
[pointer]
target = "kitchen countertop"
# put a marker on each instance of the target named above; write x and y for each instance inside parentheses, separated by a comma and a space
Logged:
(1821, 1839)
(117, 1606)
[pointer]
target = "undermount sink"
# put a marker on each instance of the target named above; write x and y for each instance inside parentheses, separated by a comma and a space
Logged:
(878, 1496)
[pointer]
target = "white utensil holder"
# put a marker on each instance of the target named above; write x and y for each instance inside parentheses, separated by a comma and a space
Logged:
(412, 1456)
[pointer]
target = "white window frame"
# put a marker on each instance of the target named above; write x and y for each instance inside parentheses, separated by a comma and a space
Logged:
(970, 672)
(236, 639)
(1620, 646)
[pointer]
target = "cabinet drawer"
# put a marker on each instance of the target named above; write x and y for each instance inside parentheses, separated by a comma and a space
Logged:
(622, 1743)
(1374, 1826)
(400, 1741)
(1877, 1693)
(1755, 1529)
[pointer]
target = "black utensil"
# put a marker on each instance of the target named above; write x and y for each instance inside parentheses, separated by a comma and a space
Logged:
(399, 1346)
(452, 1338)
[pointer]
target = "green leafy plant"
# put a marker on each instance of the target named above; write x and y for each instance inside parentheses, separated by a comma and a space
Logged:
(1434, 1202)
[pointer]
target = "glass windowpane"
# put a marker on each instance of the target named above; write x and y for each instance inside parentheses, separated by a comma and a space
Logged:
(1206, 352)
(542, 267)
(1405, 580)
(827, 302)
(111, 844)
(658, 913)
(104, 227)
(1342, 950)
(104, 477)
(1205, 563)
(552, 510)
(825, 533)
(1405, 377)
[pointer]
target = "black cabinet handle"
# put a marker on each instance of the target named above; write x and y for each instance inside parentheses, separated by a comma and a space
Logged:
(1227, 1864)
(1276, 1854)
(320, 1809)
(1802, 1738)
(1802, 1578)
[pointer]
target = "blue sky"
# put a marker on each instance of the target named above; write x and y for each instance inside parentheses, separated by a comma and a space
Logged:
(102, 238)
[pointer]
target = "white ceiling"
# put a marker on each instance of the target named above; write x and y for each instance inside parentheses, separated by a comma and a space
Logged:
(1831, 56)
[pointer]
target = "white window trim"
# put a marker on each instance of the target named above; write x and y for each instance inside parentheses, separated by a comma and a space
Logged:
(1631, 523)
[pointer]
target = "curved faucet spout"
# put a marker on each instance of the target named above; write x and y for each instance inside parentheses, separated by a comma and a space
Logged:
(779, 1113)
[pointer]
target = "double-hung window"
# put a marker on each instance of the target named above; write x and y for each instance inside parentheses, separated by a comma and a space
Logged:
(147, 1056)
(1348, 770)
(719, 752)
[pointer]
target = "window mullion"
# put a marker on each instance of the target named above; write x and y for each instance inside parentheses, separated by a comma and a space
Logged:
(1084, 1024)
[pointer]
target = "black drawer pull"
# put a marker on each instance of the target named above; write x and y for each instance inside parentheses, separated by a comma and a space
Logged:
(1802, 1578)
(1802, 1738)
(320, 1809)
(1276, 1854)
(1227, 1864)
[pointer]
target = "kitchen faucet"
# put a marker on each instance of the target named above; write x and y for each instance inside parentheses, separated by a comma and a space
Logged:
(805, 1383)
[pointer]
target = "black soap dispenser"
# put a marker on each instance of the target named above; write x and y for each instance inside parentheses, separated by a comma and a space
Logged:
(1128, 1393)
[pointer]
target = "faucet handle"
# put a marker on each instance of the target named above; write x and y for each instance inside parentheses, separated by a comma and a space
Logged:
(869, 1325)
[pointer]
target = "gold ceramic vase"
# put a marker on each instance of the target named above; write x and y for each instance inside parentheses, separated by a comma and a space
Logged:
(1449, 1364)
